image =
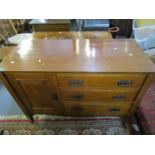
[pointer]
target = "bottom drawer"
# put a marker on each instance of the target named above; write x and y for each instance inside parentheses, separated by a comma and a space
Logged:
(96, 108)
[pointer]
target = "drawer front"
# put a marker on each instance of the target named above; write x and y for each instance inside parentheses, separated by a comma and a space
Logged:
(90, 94)
(101, 80)
(96, 109)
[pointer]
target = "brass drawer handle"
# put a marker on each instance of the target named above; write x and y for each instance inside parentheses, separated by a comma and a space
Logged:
(119, 97)
(76, 83)
(114, 109)
(77, 96)
(77, 109)
(124, 83)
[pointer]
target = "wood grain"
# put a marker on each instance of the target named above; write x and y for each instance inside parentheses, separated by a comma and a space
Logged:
(100, 80)
(45, 25)
(36, 90)
(5, 51)
(79, 55)
(77, 76)
(95, 108)
(72, 35)
(92, 94)
(52, 27)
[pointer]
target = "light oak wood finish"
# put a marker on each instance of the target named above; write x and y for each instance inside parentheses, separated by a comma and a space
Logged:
(38, 91)
(44, 75)
(4, 51)
(96, 108)
(100, 80)
(44, 25)
(79, 55)
(72, 35)
(52, 27)
(92, 94)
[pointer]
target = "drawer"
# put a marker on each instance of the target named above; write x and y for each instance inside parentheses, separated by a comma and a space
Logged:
(96, 94)
(96, 109)
(100, 80)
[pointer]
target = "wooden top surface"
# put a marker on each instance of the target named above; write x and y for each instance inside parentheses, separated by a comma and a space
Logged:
(4, 51)
(72, 35)
(78, 55)
(49, 21)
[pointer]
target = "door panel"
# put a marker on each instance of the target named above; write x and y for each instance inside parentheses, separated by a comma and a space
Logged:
(36, 90)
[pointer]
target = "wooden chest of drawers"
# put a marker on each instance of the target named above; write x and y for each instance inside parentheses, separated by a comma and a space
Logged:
(99, 94)
(78, 77)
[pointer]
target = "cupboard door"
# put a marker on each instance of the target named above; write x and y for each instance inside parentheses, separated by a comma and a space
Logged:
(38, 91)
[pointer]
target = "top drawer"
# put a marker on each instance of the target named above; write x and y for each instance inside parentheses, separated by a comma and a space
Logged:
(100, 80)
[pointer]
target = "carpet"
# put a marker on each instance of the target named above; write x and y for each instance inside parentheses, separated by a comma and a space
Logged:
(58, 125)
